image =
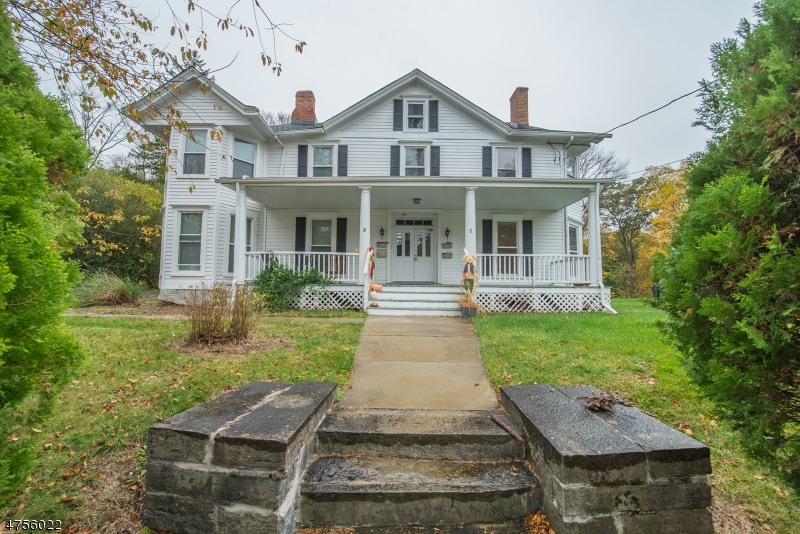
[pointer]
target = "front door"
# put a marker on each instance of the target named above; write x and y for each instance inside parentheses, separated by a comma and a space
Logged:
(507, 244)
(414, 253)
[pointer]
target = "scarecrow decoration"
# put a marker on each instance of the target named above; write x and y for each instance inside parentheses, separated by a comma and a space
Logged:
(469, 282)
(373, 287)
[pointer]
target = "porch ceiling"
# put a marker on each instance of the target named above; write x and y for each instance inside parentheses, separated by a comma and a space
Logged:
(402, 197)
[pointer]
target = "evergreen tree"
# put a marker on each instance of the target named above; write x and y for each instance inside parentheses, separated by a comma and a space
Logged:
(39, 146)
(732, 276)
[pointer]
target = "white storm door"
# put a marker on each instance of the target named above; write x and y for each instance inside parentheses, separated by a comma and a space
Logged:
(403, 252)
(423, 254)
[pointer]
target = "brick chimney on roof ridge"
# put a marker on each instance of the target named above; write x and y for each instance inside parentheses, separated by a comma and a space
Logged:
(304, 107)
(519, 106)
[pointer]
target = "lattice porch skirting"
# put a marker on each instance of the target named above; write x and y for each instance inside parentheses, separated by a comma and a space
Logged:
(330, 299)
(533, 301)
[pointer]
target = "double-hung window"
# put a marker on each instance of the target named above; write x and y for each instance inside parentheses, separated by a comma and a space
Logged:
(321, 235)
(244, 157)
(574, 239)
(506, 162)
(231, 250)
(415, 161)
(194, 152)
(189, 241)
(571, 165)
(416, 115)
(323, 161)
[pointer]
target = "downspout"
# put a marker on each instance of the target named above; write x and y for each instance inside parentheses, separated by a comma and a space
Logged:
(283, 153)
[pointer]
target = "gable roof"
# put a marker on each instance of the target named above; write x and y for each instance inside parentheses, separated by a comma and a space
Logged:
(192, 76)
(461, 103)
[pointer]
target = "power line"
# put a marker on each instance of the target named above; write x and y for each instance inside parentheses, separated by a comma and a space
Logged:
(645, 170)
(648, 113)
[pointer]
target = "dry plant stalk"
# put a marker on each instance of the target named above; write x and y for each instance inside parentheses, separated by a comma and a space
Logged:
(221, 313)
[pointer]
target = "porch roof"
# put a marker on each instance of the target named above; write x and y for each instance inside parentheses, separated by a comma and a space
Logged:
(511, 194)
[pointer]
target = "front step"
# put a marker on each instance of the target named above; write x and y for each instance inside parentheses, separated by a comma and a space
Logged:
(508, 528)
(417, 300)
(421, 434)
(433, 312)
(365, 491)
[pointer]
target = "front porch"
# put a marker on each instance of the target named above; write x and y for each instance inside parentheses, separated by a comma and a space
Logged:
(525, 233)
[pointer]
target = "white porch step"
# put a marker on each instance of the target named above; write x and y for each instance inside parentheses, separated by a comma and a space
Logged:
(421, 289)
(419, 304)
(383, 296)
(414, 311)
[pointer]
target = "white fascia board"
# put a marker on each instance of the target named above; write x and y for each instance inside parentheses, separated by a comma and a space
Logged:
(414, 181)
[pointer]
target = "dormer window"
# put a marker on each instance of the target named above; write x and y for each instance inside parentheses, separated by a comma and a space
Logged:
(416, 115)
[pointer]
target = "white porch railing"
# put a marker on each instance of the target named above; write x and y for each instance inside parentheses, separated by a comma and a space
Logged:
(537, 269)
(341, 266)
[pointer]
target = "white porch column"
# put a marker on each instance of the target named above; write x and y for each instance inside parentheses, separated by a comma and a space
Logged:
(595, 253)
(364, 232)
(240, 236)
(470, 228)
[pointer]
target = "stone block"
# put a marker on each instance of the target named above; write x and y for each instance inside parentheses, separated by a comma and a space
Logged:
(696, 521)
(598, 524)
(188, 480)
(179, 515)
(239, 519)
(577, 446)
(670, 453)
(184, 437)
(270, 437)
(262, 489)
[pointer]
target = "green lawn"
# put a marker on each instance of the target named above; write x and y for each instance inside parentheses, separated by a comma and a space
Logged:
(91, 447)
(624, 355)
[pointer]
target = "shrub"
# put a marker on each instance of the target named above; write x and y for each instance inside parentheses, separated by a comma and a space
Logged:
(106, 289)
(221, 313)
(280, 286)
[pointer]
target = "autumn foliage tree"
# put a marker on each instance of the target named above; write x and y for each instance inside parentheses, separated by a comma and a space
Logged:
(732, 274)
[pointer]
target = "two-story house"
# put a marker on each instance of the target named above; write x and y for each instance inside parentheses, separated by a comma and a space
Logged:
(414, 170)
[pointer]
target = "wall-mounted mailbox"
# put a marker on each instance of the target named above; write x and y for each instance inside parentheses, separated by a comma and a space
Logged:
(447, 255)
(447, 245)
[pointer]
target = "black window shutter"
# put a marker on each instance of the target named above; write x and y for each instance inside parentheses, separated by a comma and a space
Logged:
(302, 161)
(487, 236)
(341, 235)
(342, 161)
(527, 237)
(526, 163)
(394, 164)
(300, 234)
(434, 161)
(487, 161)
(398, 114)
(433, 115)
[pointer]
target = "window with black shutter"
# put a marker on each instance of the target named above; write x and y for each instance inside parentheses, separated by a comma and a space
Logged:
(433, 116)
(398, 115)
(302, 161)
(526, 162)
(487, 161)
(434, 161)
(342, 164)
(394, 161)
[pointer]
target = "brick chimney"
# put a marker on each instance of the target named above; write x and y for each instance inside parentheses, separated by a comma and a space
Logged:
(304, 107)
(519, 106)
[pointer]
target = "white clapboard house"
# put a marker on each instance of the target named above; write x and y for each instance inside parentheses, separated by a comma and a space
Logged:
(414, 170)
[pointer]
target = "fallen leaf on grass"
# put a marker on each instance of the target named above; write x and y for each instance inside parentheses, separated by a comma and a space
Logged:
(13, 437)
(760, 477)
(36, 430)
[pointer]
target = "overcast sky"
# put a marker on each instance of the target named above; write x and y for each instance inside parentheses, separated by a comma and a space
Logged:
(590, 64)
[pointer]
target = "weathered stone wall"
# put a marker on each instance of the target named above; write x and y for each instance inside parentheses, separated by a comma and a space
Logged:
(233, 464)
(617, 472)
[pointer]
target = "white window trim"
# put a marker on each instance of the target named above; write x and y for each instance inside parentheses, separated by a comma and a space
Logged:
(251, 215)
(182, 137)
(310, 225)
(424, 102)
(175, 271)
(426, 171)
(256, 153)
(506, 218)
(310, 156)
(517, 160)
(571, 222)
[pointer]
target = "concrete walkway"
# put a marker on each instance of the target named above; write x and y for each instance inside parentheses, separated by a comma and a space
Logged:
(419, 363)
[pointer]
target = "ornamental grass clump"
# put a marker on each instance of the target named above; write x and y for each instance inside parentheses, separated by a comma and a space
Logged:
(106, 289)
(221, 313)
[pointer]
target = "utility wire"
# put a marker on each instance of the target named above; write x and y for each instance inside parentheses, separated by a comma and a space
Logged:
(645, 170)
